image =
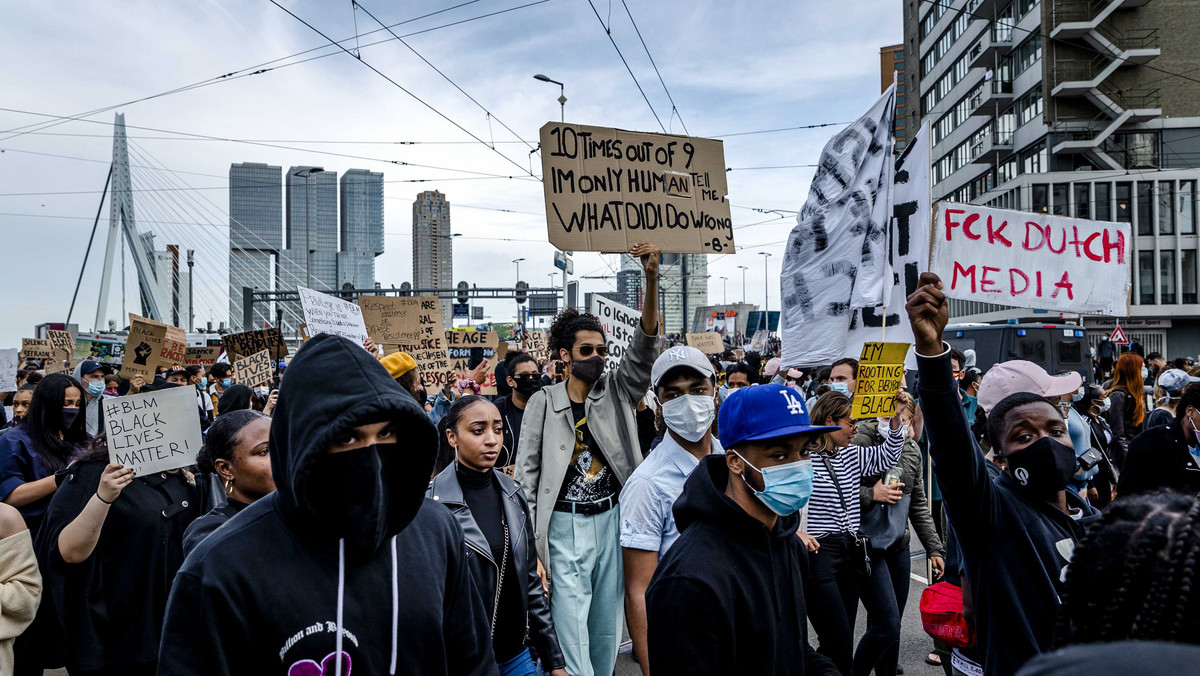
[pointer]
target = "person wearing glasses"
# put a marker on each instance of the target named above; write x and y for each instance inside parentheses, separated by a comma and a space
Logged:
(525, 380)
(578, 446)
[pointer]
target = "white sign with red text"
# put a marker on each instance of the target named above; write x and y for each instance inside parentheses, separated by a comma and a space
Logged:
(1032, 260)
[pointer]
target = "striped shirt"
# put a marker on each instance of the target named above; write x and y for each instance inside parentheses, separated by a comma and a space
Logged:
(826, 513)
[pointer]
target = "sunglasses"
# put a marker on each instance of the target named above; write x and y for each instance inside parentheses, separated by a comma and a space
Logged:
(587, 350)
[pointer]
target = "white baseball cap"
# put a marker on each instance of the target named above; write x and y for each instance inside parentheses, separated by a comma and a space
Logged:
(680, 355)
(1015, 376)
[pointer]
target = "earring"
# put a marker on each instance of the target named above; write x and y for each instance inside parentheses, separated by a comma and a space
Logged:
(229, 486)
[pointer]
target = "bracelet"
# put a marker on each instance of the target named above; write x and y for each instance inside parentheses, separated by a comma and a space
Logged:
(103, 500)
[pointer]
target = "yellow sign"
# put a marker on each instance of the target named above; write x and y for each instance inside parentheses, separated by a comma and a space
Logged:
(880, 376)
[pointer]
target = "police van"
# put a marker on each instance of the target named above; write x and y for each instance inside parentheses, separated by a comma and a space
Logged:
(1054, 347)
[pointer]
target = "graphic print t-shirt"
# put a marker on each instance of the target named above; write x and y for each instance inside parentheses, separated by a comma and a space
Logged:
(588, 476)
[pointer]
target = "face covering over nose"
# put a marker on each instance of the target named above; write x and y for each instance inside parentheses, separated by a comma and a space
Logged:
(354, 499)
(840, 387)
(227, 382)
(68, 416)
(588, 370)
(786, 488)
(1042, 468)
(95, 388)
(690, 416)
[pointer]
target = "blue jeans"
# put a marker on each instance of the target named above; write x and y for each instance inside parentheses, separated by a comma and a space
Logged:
(521, 665)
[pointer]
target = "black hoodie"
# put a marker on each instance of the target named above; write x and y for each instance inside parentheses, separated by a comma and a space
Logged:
(728, 597)
(273, 591)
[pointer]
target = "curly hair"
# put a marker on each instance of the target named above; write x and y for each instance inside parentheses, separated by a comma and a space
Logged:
(568, 323)
(1133, 576)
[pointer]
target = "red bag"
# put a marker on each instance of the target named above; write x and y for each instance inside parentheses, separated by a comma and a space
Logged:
(942, 615)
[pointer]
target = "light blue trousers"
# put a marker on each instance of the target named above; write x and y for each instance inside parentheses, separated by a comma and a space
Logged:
(587, 598)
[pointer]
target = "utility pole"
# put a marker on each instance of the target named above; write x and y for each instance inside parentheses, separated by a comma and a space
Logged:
(191, 308)
(744, 268)
(766, 289)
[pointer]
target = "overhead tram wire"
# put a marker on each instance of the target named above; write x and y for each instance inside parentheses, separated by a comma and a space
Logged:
(402, 88)
(674, 109)
(608, 32)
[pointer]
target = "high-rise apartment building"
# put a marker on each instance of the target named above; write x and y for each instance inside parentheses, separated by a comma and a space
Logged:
(892, 65)
(433, 246)
(361, 217)
(312, 226)
(255, 234)
(1077, 108)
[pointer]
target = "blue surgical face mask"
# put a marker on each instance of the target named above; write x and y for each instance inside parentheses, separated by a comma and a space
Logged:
(227, 382)
(204, 382)
(95, 388)
(786, 488)
(840, 387)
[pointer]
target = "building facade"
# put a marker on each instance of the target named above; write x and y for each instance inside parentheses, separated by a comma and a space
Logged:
(312, 226)
(361, 218)
(892, 66)
(255, 234)
(1071, 107)
(433, 246)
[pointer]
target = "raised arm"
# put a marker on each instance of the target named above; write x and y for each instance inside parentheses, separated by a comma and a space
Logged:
(633, 372)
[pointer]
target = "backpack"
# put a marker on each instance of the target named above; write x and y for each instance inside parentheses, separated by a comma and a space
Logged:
(942, 615)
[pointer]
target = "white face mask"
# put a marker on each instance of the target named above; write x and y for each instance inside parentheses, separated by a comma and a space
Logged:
(690, 416)
(262, 392)
(1105, 404)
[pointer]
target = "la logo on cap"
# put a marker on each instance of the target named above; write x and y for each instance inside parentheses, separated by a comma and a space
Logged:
(794, 405)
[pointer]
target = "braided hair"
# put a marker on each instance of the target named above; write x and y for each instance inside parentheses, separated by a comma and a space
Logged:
(1133, 576)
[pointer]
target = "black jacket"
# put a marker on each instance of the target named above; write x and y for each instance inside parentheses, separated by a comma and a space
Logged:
(1014, 549)
(1122, 658)
(1120, 420)
(266, 593)
(205, 525)
(728, 597)
(445, 489)
(512, 418)
(1159, 458)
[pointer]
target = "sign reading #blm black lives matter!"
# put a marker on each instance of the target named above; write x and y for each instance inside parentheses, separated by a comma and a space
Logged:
(153, 432)
(607, 189)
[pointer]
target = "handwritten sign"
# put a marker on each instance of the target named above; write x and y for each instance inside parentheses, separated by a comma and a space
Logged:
(37, 348)
(254, 370)
(607, 189)
(537, 344)
(153, 432)
(880, 375)
(325, 314)
(57, 363)
(9, 363)
(238, 345)
(151, 344)
(61, 340)
(1032, 260)
(619, 323)
(427, 345)
(460, 345)
(708, 343)
(392, 321)
(201, 356)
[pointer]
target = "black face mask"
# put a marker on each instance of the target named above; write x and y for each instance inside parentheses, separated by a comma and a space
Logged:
(1042, 468)
(588, 370)
(527, 387)
(365, 495)
(68, 417)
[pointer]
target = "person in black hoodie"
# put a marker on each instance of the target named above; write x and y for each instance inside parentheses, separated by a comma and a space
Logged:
(346, 569)
(1166, 457)
(728, 596)
(524, 381)
(1016, 533)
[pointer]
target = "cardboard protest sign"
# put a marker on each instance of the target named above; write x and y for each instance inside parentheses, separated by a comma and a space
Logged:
(153, 432)
(461, 344)
(174, 350)
(105, 348)
(537, 344)
(201, 356)
(1032, 260)
(607, 189)
(254, 370)
(238, 345)
(427, 346)
(392, 321)
(880, 375)
(9, 364)
(36, 348)
(708, 343)
(325, 314)
(61, 340)
(57, 363)
(151, 344)
(759, 342)
(619, 322)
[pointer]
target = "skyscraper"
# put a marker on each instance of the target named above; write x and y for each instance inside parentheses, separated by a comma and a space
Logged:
(361, 217)
(312, 226)
(255, 234)
(682, 287)
(433, 259)
(891, 65)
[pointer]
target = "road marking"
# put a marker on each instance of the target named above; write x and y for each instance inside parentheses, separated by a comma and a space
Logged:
(918, 578)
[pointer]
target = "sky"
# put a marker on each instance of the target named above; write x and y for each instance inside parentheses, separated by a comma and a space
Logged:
(729, 67)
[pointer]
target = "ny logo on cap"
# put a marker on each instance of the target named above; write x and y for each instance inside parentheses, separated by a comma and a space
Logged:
(793, 404)
(676, 354)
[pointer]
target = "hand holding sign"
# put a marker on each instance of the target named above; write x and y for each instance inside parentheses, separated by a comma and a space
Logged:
(113, 480)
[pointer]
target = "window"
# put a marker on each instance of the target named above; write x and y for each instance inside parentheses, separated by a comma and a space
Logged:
(1027, 54)
(1187, 264)
(898, 54)
(1103, 201)
(1070, 351)
(1033, 161)
(1124, 202)
(1040, 197)
(1082, 203)
(1185, 208)
(1032, 350)
(1166, 269)
(1145, 208)
(1060, 207)
(1146, 277)
(1166, 211)
(1029, 106)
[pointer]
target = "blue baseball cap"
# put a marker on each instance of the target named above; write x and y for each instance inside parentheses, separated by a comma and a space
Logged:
(764, 412)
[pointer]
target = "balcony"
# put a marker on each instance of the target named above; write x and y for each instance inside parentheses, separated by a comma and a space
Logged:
(991, 146)
(991, 44)
(988, 100)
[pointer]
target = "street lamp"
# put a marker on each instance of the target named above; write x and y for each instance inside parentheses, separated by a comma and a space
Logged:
(724, 294)
(743, 268)
(766, 289)
(562, 99)
(304, 174)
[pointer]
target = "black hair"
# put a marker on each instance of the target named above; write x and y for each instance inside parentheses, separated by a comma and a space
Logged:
(33, 377)
(822, 374)
(1090, 394)
(448, 422)
(568, 323)
(754, 361)
(846, 360)
(224, 434)
(43, 421)
(682, 371)
(996, 417)
(408, 382)
(520, 358)
(220, 370)
(1132, 577)
(1189, 397)
(959, 357)
(1154, 355)
(970, 377)
(744, 368)
(27, 387)
(193, 370)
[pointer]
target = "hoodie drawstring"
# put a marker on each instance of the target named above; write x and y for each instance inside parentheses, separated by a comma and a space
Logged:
(395, 610)
(341, 600)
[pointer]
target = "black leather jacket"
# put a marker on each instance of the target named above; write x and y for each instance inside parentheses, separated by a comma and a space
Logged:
(445, 489)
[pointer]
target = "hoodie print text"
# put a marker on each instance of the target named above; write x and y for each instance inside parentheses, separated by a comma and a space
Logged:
(317, 629)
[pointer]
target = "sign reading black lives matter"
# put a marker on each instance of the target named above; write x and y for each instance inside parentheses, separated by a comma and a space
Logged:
(153, 432)
(608, 189)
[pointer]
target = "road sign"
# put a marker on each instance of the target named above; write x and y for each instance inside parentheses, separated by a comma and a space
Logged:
(461, 311)
(1118, 337)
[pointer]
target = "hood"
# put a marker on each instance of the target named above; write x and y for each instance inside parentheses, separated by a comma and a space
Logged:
(234, 398)
(333, 385)
(704, 499)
